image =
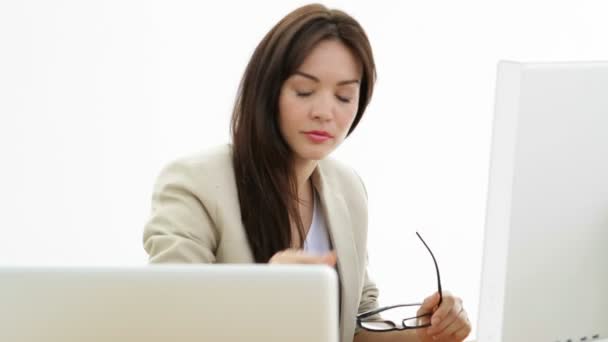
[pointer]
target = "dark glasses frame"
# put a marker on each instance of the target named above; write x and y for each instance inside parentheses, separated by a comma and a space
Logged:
(362, 316)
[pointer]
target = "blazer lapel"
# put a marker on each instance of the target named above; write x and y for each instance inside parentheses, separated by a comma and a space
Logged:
(339, 225)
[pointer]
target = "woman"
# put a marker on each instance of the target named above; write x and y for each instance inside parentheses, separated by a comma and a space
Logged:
(273, 196)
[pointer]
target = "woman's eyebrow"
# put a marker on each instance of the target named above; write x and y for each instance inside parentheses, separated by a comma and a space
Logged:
(316, 79)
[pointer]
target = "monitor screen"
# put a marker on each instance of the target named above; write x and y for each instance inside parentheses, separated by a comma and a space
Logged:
(545, 267)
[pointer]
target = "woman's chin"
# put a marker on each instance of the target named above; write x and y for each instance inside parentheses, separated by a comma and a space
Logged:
(314, 154)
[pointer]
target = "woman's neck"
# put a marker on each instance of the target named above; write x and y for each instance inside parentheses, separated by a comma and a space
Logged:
(304, 170)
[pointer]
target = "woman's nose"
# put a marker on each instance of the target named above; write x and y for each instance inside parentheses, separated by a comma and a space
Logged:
(322, 107)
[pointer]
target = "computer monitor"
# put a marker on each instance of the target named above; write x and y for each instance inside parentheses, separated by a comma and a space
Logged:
(545, 264)
(187, 303)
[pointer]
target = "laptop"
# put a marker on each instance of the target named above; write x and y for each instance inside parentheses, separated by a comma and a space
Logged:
(186, 303)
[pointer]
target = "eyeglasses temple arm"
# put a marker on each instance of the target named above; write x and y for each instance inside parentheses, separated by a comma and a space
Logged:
(436, 269)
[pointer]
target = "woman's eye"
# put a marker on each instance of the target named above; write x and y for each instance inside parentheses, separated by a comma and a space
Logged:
(303, 93)
(343, 99)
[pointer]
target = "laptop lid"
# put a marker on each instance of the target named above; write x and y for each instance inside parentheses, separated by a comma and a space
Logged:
(183, 303)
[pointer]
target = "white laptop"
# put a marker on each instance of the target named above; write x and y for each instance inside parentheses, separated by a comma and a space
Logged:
(185, 303)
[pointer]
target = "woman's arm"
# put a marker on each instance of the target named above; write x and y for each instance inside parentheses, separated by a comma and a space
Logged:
(389, 336)
(180, 229)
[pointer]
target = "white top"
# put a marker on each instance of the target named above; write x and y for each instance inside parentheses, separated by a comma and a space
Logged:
(317, 239)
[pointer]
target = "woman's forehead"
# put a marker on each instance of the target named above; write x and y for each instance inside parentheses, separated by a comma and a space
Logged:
(331, 60)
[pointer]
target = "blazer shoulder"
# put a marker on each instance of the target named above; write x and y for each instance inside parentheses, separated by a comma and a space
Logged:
(205, 172)
(342, 176)
(214, 158)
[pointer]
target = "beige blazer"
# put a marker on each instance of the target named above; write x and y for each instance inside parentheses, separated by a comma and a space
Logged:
(196, 219)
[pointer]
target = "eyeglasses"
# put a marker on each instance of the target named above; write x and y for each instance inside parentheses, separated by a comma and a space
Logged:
(407, 315)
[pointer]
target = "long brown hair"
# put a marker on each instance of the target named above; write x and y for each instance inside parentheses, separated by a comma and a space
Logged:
(263, 161)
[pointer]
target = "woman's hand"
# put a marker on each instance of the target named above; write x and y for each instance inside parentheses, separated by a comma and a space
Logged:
(298, 256)
(449, 322)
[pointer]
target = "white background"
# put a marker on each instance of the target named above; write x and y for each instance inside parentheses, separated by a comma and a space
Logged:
(96, 96)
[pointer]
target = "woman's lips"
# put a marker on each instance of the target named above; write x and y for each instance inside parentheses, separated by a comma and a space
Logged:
(318, 136)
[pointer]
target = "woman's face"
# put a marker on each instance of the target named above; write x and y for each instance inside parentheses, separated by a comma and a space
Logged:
(318, 103)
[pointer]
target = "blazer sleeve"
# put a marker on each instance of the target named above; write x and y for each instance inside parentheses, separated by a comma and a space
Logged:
(369, 299)
(369, 291)
(180, 228)
(369, 295)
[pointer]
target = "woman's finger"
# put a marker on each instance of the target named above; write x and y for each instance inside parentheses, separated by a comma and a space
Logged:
(425, 310)
(449, 319)
(444, 309)
(459, 321)
(429, 304)
(292, 256)
(464, 332)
